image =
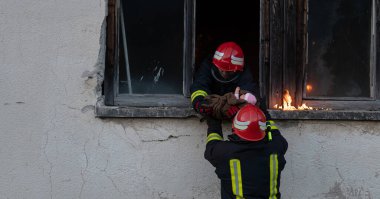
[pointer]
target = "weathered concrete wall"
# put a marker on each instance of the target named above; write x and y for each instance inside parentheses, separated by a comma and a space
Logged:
(332, 159)
(52, 146)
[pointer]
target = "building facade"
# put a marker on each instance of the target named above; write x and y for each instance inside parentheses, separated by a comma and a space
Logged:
(61, 137)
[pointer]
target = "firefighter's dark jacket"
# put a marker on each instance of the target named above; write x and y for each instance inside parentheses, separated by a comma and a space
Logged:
(249, 170)
(205, 84)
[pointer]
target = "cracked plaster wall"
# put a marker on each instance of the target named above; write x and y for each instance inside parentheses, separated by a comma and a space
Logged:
(52, 146)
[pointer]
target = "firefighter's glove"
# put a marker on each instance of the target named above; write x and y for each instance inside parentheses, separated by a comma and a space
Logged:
(203, 108)
(231, 112)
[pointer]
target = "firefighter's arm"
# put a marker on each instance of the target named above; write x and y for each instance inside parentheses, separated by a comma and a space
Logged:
(200, 89)
(214, 139)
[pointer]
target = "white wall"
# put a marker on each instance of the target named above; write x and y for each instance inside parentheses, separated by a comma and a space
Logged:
(52, 146)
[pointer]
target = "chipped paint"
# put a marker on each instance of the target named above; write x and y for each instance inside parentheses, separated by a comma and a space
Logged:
(88, 108)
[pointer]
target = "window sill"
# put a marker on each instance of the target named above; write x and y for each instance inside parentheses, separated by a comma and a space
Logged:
(183, 111)
(325, 115)
(121, 111)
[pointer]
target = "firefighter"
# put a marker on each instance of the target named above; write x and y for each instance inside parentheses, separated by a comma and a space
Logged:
(221, 74)
(249, 164)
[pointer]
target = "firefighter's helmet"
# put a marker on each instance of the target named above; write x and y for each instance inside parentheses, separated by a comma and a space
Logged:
(229, 57)
(249, 123)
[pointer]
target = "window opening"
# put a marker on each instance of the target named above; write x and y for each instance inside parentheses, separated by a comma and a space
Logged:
(218, 22)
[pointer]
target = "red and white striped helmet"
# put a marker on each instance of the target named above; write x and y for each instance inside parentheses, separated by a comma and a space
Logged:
(249, 123)
(229, 57)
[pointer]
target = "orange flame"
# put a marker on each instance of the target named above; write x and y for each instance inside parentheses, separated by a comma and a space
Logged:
(287, 103)
(309, 88)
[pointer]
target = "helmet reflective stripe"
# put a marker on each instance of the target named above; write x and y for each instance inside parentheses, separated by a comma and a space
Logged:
(218, 55)
(237, 63)
(237, 60)
(262, 125)
(241, 125)
(246, 123)
(241, 59)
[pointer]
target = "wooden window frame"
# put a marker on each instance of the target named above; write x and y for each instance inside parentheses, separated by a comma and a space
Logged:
(112, 104)
(285, 69)
(112, 97)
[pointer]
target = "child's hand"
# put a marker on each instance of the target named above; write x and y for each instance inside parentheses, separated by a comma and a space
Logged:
(250, 98)
(237, 92)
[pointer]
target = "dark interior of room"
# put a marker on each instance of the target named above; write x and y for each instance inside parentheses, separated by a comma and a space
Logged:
(221, 21)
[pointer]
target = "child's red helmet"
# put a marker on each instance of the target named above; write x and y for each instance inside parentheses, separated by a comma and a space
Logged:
(249, 123)
(229, 57)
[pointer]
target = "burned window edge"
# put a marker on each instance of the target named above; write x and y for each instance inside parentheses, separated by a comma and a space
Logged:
(287, 68)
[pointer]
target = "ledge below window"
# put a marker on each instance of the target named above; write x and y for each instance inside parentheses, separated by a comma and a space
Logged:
(181, 111)
(103, 111)
(324, 115)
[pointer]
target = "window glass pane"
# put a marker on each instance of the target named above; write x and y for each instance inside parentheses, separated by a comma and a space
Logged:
(339, 45)
(154, 33)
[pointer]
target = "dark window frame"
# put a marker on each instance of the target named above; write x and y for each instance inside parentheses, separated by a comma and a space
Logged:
(287, 62)
(282, 58)
(111, 95)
